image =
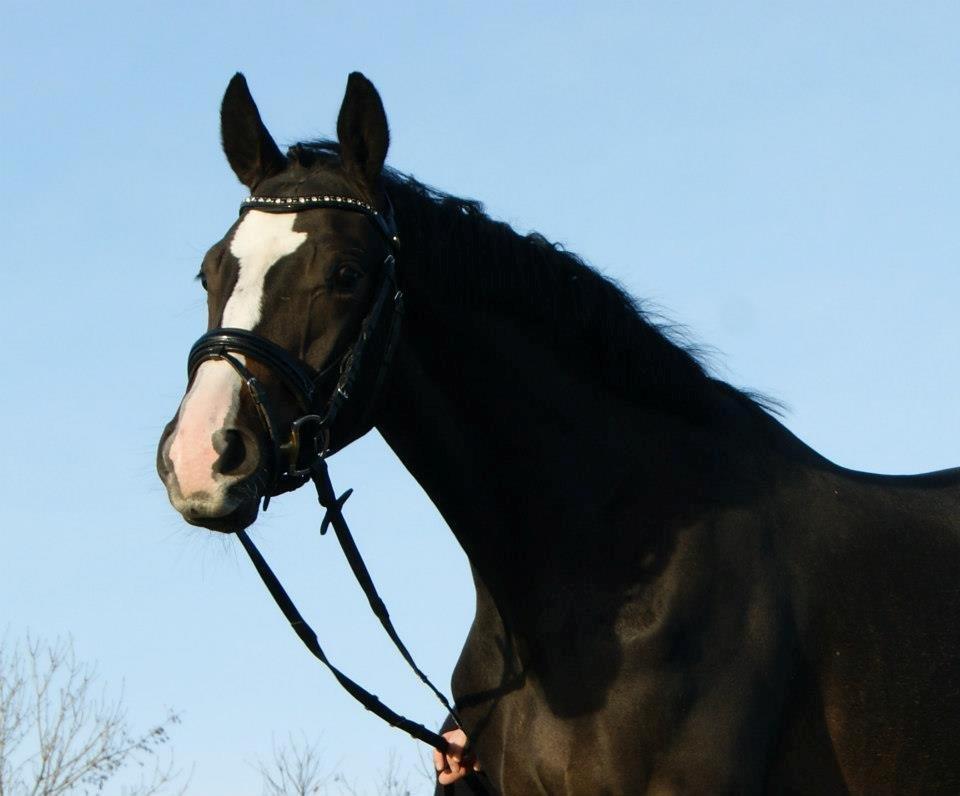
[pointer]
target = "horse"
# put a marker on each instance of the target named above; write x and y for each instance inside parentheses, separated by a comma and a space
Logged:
(674, 594)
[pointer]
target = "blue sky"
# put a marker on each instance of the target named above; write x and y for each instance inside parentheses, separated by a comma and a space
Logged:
(783, 179)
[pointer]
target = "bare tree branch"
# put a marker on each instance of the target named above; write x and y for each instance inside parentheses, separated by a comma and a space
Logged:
(390, 782)
(296, 769)
(61, 733)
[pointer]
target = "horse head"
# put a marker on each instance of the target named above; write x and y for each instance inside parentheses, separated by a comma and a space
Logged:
(294, 289)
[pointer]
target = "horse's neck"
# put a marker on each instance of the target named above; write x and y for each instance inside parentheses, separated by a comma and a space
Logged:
(529, 461)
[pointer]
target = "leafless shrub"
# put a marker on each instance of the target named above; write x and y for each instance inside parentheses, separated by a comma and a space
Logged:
(61, 733)
(297, 769)
(391, 783)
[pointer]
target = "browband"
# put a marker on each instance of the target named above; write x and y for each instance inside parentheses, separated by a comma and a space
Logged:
(292, 204)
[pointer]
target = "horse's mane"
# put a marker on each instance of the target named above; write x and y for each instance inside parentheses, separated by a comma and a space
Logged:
(587, 315)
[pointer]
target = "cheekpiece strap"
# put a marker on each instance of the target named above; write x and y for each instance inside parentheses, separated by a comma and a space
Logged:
(294, 204)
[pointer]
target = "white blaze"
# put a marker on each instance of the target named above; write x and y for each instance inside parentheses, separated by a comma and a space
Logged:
(260, 240)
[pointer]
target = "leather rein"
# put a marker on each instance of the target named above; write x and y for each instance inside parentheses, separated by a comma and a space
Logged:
(300, 454)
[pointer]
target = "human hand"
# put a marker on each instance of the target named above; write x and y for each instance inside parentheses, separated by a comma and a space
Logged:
(456, 763)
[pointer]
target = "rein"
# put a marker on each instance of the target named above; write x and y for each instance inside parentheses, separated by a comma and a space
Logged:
(302, 455)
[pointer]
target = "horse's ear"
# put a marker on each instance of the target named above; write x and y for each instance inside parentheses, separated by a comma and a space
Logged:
(252, 153)
(362, 130)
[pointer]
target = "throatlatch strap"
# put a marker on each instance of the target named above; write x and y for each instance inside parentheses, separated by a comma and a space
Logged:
(369, 701)
(334, 517)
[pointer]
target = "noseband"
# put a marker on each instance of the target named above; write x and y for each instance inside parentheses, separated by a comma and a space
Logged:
(294, 453)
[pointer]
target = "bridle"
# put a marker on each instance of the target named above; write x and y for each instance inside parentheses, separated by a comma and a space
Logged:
(299, 453)
(292, 455)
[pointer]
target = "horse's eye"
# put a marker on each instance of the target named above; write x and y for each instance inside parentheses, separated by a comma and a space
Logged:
(347, 276)
(202, 279)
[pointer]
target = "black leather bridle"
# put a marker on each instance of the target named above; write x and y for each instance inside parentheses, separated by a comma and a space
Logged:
(299, 453)
(292, 454)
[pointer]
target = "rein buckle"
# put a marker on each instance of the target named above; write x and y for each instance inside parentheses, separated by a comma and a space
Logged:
(309, 440)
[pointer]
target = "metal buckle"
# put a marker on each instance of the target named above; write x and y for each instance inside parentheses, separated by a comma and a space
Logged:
(309, 440)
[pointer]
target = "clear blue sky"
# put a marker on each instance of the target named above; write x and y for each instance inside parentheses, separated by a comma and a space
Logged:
(783, 179)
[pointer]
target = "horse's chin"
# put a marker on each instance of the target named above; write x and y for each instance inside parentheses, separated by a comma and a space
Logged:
(239, 519)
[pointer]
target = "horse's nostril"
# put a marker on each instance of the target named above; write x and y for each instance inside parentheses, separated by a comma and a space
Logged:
(232, 450)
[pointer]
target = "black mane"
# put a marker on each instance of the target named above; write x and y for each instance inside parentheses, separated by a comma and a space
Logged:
(589, 316)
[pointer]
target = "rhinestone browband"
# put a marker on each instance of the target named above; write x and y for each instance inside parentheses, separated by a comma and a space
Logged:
(292, 204)
(296, 201)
